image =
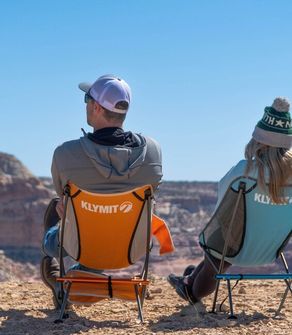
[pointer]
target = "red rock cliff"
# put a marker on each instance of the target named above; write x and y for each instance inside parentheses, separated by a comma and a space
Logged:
(23, 200)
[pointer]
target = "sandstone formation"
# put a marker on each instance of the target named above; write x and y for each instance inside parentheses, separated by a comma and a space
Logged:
(186, 207)
(11, 270)
(23, 200)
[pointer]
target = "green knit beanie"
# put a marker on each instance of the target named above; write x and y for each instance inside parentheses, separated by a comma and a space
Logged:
(275, 128)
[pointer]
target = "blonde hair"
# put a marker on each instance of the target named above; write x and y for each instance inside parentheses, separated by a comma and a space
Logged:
(278, 163)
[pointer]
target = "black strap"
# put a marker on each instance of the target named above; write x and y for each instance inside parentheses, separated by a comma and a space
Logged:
(110, 288)
(76, 193)
(137, 196)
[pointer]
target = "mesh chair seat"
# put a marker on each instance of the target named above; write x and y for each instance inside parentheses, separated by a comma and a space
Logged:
(248, 229)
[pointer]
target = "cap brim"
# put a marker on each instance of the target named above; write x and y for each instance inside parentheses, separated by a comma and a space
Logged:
(84, 87)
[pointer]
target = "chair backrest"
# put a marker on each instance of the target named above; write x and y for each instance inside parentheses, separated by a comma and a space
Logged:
(260, 227)
(107, 231)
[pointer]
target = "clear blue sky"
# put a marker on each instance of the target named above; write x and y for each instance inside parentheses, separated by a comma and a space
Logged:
(201, 73)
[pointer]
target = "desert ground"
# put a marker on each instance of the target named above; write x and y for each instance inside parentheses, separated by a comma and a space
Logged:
(26, 309)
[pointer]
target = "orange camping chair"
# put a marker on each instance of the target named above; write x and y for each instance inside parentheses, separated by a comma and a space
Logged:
(107, 232)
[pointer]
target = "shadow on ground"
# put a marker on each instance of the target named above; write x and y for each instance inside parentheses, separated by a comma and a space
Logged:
(20, 322)
(190, 317)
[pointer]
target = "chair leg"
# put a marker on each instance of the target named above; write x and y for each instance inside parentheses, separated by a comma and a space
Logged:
(139, 304)
(288, 288)
(215, 296)
(288, 283)
(282, 301)
(62, 314)
(143, 294)
(231, 316)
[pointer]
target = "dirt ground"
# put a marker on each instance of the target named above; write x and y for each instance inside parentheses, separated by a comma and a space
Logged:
(27, 309)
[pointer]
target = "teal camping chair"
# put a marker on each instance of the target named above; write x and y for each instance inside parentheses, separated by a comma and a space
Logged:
(248, 230)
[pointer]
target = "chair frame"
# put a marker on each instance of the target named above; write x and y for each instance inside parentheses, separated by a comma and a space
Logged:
(287, 276)
(139, 281)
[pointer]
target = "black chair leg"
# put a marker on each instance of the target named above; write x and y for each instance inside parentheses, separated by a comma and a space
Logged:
(288, 288)
(215, 297)
(139, 304)
(231, 316)
(62, 314)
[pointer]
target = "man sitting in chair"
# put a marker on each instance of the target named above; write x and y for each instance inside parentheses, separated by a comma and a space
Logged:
(105, 161)
(268, 160)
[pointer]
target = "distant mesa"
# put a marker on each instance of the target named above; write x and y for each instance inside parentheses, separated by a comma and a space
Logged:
(11, 166)
(23, 200)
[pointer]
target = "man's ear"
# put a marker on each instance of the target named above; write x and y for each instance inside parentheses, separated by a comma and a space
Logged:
(96, 107)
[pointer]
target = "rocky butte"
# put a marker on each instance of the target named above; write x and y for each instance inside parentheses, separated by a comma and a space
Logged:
(23, 200)
(186, 207)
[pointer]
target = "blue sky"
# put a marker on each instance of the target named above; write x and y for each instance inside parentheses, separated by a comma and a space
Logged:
(201, 73)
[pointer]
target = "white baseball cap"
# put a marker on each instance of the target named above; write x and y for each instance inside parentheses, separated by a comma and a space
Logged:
(110, 92)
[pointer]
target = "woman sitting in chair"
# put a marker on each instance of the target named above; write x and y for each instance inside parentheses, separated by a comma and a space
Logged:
(268, 160)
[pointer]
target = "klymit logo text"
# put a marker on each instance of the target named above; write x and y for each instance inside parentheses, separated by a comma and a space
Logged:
(265, 199)
(125, 207)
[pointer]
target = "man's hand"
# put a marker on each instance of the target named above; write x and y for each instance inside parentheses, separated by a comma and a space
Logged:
(60, 208)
